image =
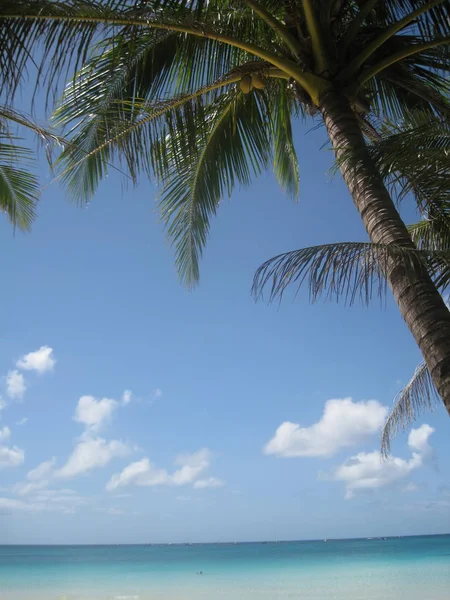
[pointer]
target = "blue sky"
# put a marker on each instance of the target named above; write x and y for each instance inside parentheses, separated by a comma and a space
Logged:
(244, 422)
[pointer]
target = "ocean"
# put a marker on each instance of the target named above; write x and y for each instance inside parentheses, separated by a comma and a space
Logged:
(411, 568)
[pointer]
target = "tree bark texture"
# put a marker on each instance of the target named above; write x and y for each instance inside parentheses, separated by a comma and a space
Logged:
(419, 301)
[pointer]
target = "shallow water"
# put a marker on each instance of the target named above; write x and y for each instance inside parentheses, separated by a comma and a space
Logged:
(416, 567)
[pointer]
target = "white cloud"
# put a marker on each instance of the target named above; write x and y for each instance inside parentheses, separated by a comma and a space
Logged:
(10, 504)
(143, 473)
(418, 440)
(126, 397)
(36, 479)
(211, 482)
(91, 454)
(191, 466)
(368, 470)
(41, 360)
(344, 423)
(140, 472)
(2, 403)
(42, 471)
(22, 421)
(59, 500)
(15, 385)
(5, 434)
(94, 413)
(25, 488)
(157, 393)
(11, 457)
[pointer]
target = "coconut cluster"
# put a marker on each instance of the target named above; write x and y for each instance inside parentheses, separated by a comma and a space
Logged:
(248, 82)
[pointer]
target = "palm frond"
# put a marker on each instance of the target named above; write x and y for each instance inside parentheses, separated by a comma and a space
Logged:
(432, 233)
(136, 138)
(349, 270)
(234, 145)
(413, 155)
(45, 136)
(285, 158)
(59, 39)
(19, 187)
(59, 36)
(418, 395)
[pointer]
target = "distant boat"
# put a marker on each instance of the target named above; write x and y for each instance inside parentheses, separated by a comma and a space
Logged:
(325, 540)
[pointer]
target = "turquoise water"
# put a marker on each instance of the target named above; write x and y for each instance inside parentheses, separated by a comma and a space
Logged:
(417, 568)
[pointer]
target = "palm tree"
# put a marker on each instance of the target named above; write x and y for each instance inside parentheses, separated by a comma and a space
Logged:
(201, 94)
(418, 155)
(412, 157)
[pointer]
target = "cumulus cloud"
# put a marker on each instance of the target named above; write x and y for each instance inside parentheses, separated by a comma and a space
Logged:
(88, 454)
(94, 413)
(157, 393)
(15, 385)
(344, 423)
(41, 360)
(418, 440)
(211, 482)
(22, 421)
(5, 434)
(144, 473)
(126, 397)
(368, 470)
(191, 465)
(91, 454)
(42, 471)
(9, 456)
(141, 472)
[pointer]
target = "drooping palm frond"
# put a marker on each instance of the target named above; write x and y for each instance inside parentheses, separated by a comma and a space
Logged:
(59, 36)
(61, 45)
(19, 185)
(432, 232)
(285, 160)
(46, 137)
(139, 133)
(234, 146)
(418, 395)
(348, 270)
(414, 153)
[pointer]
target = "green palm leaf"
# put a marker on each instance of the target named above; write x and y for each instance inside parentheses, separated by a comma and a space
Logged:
(233, 144)
(19, 188)
(348, 270)
(285, 158)
(418, 395)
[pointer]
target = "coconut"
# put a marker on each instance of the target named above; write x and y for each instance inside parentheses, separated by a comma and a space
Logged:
(246, 84)
(258, 81)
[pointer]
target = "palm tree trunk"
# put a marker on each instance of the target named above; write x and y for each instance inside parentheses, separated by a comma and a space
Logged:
(419, 301)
